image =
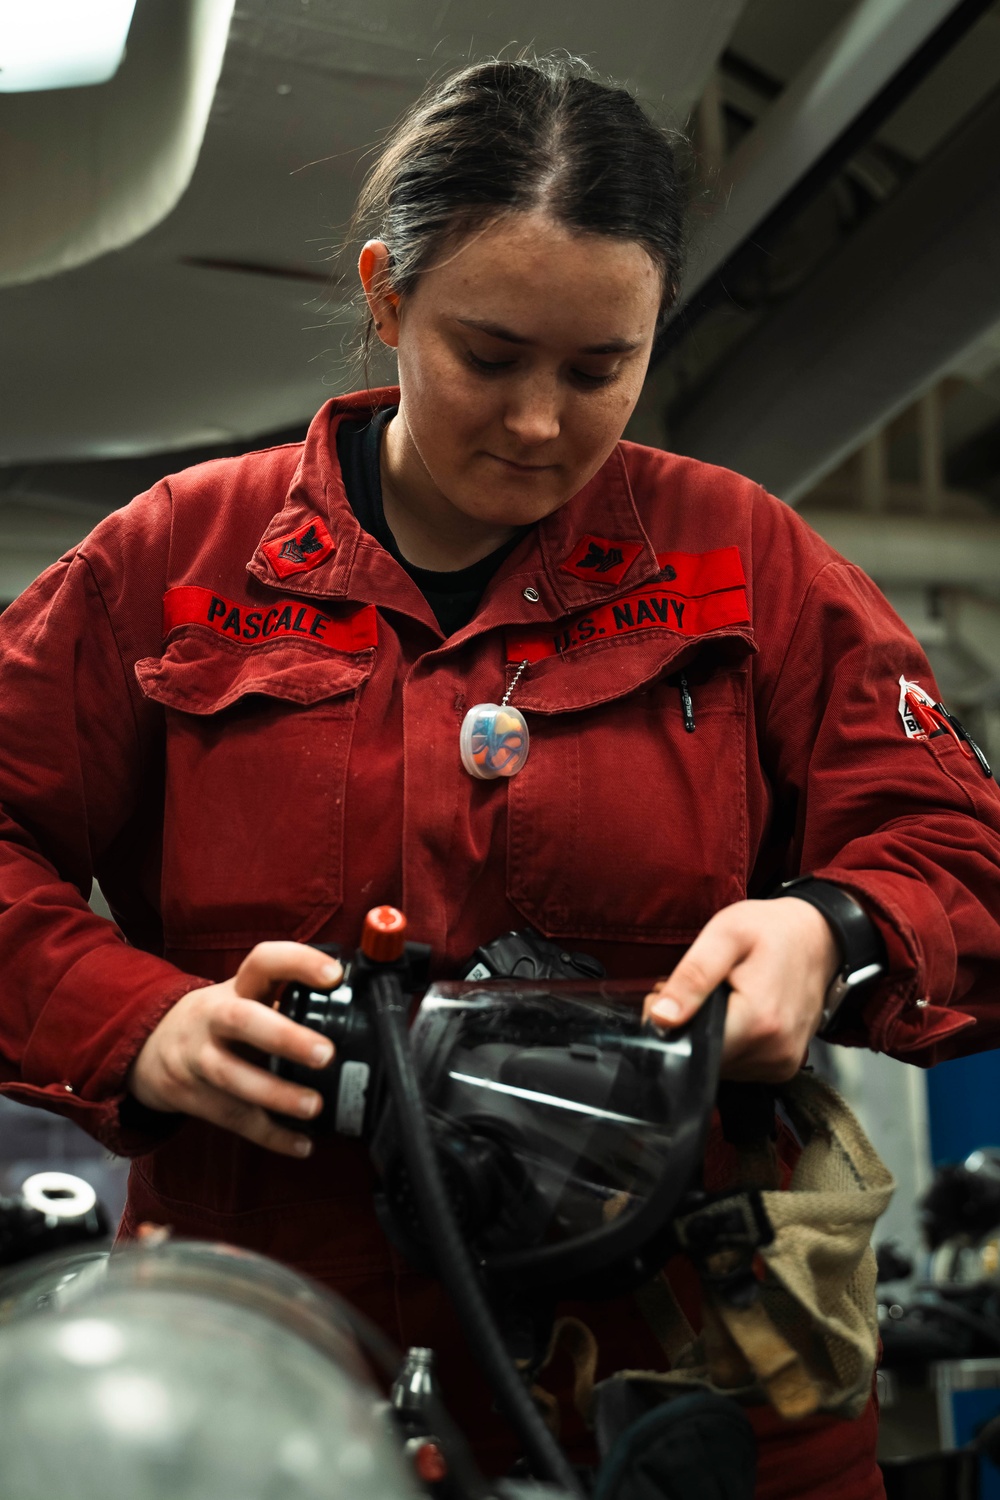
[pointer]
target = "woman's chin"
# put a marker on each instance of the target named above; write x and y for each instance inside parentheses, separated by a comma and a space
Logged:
(512, 501)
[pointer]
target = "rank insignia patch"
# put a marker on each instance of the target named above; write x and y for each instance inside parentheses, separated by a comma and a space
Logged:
(595, 557)
(301, 550)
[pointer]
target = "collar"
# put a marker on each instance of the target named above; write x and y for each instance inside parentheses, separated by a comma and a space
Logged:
(316, 497)
(590, 551)
(595, 546)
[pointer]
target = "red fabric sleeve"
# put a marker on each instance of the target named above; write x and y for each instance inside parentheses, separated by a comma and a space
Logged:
(910, 827)
(79, 771)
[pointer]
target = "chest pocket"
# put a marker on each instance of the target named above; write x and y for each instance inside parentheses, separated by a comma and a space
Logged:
(624, 825)
(256, 770)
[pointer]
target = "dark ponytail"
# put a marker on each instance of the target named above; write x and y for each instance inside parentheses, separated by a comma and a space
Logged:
(522, 135)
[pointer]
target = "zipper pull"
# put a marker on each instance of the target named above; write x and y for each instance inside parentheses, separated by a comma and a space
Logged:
(687, 706)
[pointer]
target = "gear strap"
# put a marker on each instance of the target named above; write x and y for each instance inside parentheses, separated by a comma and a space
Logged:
(575, 1338)
(723, 1236)
(777, 1367)
(666, 1318)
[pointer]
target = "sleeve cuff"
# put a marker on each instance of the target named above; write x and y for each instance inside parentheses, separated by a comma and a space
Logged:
(87, 1037)
(904, 1016)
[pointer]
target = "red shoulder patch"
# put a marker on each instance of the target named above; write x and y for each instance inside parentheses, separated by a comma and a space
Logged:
(596, 557)
(300, 550)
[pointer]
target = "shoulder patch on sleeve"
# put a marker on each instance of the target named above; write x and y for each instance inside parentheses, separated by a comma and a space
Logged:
(923, 719)
(913, 702)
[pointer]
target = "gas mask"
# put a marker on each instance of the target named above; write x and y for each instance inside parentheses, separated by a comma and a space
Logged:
(565, 1130)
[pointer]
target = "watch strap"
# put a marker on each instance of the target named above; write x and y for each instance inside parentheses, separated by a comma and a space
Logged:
(863, 957)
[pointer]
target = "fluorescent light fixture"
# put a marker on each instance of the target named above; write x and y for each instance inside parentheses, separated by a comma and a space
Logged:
(61, 44)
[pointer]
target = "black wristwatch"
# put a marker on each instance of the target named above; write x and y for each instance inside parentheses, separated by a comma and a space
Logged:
(863, 957)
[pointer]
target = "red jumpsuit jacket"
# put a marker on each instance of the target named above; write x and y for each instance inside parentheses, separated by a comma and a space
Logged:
(238, 712)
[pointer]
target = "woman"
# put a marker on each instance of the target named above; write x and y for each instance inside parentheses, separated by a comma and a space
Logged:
(239, 704)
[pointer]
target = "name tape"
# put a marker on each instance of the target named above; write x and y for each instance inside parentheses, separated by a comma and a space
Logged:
(250, 625)
(707, 592)
(695, 573)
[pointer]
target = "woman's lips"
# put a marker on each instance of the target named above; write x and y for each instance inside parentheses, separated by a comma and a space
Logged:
(509, 463)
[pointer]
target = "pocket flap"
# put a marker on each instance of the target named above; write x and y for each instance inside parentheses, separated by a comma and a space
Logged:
(580, 676)
(203, 676)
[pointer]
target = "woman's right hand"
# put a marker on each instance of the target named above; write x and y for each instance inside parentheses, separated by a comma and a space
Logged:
(187, 1063)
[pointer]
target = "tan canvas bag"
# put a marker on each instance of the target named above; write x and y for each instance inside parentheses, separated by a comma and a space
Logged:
(793, 1321)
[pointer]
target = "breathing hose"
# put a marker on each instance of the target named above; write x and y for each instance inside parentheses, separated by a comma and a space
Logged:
(453, 1262)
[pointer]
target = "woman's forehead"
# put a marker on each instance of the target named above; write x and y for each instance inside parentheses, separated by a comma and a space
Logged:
(526, 272)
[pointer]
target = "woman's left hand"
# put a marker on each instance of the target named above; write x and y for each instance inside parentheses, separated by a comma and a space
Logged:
(779, 957)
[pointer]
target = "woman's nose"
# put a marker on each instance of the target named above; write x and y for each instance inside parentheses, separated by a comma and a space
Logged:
(532, 414)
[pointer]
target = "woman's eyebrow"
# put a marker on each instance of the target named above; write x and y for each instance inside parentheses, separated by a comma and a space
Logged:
(497, 331)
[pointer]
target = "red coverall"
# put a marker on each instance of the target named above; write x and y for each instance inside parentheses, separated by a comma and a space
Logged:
(237, 711)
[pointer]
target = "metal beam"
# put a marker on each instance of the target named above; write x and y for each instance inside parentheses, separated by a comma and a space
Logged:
(821, 107)
(975, 624)
(912, 289)
(920, 550)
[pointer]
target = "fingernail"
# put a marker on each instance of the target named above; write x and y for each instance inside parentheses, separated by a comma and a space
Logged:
(329, 973)
(321, 1054)
(309, 1105)
(303, 1146)
(666, 1010)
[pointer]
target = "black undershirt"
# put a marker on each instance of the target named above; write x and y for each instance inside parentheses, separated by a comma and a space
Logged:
(453, 596)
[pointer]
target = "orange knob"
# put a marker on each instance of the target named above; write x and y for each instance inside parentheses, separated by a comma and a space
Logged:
(383, 936)
(430, 1463)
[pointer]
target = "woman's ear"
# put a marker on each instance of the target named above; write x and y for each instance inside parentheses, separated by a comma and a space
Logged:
(383, 302)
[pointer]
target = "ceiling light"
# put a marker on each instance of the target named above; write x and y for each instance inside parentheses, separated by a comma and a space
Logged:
(61, 44)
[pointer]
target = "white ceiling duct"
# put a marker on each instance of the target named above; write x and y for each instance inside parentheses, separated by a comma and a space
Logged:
(88, 170)
(207, 329)
(61, 44)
